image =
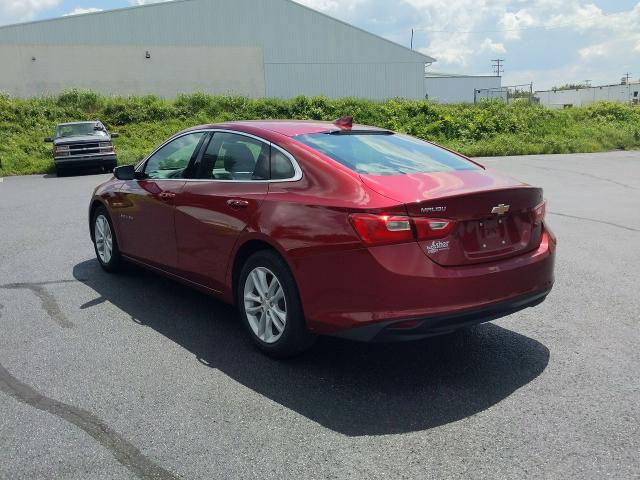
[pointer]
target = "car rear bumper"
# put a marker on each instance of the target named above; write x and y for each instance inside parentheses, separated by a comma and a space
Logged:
(415, 329)
(86, 161)
(362, 293)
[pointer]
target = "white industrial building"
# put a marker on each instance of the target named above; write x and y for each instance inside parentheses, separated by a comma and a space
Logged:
(450, 88)
(577, 97)
(257, 48)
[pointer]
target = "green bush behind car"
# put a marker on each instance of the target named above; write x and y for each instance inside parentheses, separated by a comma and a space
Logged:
(485, 129)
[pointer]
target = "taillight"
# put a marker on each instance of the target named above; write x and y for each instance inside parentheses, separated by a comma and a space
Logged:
(431, 228)
(539, 212)
(384, 229)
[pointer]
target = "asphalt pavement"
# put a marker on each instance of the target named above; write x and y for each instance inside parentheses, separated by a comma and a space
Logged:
(135, 376)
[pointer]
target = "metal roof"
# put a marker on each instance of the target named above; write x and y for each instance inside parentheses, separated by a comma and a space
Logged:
(203, 4)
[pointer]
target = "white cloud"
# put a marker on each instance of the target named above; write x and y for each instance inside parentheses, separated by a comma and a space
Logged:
(81, 11)
(514, 22)
(592, 51)
(13, 11)
(448, 23)
(489, 46)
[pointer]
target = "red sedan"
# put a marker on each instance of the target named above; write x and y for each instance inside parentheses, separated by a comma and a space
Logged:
(316, 228)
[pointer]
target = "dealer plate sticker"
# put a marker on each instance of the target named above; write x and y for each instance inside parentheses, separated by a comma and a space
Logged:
(439, 246)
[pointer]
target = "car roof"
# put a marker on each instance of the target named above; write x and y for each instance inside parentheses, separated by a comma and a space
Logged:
(77, 123)
(289, 128)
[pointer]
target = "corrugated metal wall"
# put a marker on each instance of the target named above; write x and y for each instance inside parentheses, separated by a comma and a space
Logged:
(457, 89)
(584, 96)
(304, 52)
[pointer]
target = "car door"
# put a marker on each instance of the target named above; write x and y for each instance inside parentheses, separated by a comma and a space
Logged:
(146, 214)
(214, 208)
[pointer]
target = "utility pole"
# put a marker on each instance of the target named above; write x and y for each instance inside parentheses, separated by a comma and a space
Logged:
(498, 66)
(412, 39)
(626, 79)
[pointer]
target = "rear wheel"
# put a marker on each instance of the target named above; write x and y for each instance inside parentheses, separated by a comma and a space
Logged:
(270, 306)
(105, 242)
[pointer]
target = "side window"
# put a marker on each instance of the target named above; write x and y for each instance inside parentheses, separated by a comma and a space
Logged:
(281, 166)
(172, 160)
(231, 156)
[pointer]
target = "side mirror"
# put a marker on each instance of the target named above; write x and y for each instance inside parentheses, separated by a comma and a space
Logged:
(48, 140)
(115, 135)
(125, 172)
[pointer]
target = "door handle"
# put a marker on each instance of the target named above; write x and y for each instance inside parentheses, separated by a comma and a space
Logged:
(236, 204)
(167, 195)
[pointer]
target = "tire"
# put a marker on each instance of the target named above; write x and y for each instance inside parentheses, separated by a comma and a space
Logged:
(61, 172)
(293, 338)
(102, 230)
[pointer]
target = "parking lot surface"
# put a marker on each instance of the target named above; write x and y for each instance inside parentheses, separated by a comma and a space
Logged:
(135, 376)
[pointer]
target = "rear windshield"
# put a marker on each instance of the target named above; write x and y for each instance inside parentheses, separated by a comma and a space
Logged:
(385, 153)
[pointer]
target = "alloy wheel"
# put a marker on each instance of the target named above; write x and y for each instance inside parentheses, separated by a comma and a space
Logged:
(265, 304)
(104, 238)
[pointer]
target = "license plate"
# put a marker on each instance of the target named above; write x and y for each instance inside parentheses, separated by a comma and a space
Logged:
(492, 234)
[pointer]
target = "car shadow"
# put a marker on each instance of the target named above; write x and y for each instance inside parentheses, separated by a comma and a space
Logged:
(352, 388)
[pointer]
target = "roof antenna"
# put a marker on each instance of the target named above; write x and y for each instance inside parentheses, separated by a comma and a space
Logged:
(346, 122)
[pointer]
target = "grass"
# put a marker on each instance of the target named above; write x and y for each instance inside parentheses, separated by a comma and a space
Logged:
(486, 129)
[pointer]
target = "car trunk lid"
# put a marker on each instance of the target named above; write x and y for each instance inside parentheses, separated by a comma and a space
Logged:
(493, 213)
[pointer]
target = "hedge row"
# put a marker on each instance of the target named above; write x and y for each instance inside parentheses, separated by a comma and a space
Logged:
(485, 129)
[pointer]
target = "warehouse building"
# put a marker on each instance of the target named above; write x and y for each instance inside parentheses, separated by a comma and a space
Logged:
(577, 97)
(274, 48)
(452, 88)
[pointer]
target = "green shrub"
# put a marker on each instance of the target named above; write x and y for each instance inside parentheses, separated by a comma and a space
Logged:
(488, 128)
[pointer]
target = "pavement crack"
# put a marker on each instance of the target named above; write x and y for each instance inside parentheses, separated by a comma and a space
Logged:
(49, 302)
(631, 229)
(125, 452)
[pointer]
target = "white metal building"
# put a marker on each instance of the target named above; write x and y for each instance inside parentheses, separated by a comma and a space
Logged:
(257, 48)
(450, 88)
(576, 97)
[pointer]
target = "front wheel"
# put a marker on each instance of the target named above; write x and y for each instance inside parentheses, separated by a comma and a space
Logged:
(105, 242)
(270, 306)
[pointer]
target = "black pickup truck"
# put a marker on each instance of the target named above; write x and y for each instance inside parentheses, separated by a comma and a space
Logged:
(82, 144)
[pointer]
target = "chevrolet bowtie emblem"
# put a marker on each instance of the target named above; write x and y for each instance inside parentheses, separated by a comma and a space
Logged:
(500, 209)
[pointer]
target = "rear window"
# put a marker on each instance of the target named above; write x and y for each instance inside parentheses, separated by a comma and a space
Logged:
(385, 153)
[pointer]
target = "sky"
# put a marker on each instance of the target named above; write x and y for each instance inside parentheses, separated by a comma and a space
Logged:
(547, 42)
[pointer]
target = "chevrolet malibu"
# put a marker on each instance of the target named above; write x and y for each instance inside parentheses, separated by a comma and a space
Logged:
(316, 228)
